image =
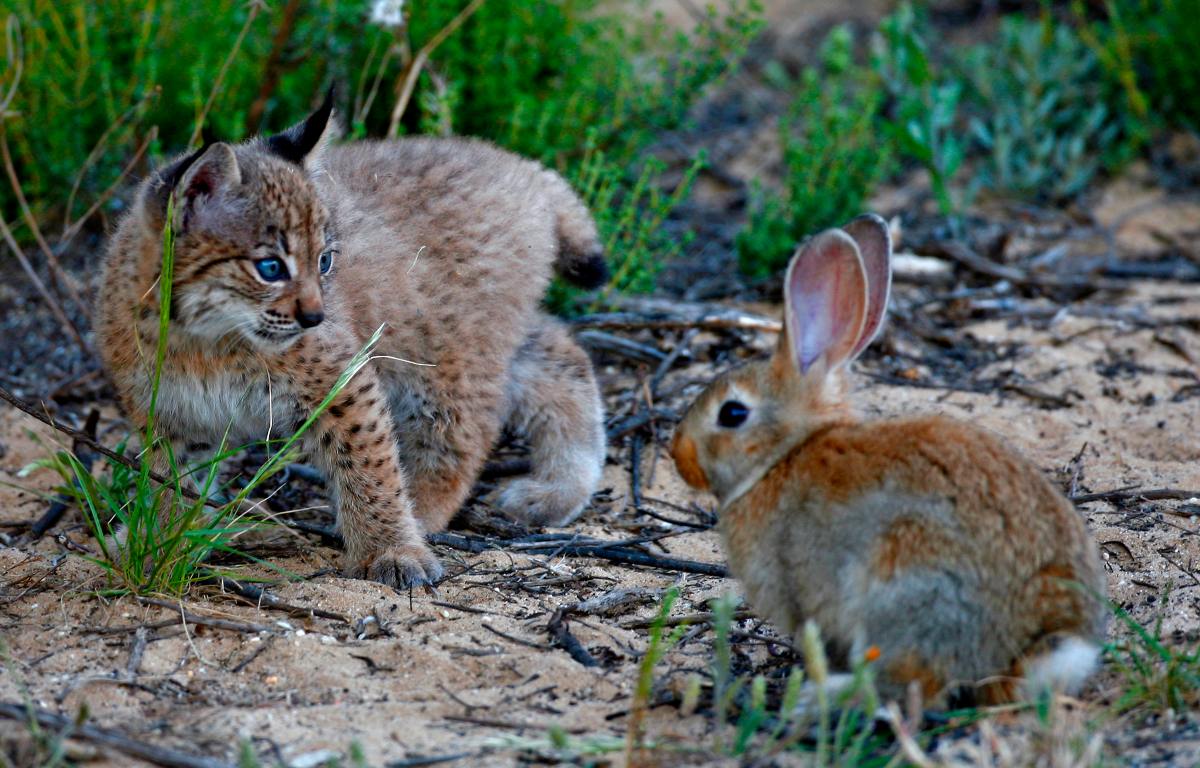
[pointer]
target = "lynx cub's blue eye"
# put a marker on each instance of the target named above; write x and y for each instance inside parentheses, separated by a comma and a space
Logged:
(733, 414)
(271, 269)
(325, 263)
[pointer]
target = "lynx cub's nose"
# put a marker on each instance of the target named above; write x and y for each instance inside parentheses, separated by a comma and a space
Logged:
(309, 319)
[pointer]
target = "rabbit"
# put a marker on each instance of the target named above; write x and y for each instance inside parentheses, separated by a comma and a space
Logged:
(923, 545)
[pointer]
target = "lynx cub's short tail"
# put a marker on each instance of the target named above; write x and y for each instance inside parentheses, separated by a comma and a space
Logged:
(580, 254)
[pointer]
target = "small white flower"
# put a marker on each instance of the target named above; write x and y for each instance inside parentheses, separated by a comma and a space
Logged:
(387, 13)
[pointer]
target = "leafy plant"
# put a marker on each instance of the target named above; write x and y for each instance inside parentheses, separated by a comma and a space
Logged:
(924, 117)
(1043, 121)
(832, 159)
(538, 77)
(829, 721)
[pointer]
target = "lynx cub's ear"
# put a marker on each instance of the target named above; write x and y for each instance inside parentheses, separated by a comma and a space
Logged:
(214, 172)
(297, 144)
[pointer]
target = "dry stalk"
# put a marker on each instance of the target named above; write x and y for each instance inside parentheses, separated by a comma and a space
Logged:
(73, 230)
(274, 67)
(255, 6)
(408, 80)
(55, 308)
(61, 278)
(97, 151)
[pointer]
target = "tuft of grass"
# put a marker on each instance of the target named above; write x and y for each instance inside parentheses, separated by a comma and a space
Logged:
(660, 643)
(831, 154)
(1041, 117)
(166, 532)
(1157, 679)
(354, 757)
(758, 719)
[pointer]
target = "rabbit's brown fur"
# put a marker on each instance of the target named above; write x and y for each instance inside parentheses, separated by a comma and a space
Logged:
(448, 242)
(926, 538)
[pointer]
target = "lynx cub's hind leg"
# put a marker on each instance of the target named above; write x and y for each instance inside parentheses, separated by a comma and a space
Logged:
(555, 403)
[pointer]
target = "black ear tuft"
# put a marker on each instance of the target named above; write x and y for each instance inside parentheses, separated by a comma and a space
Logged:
(296, 142)
(590, 271)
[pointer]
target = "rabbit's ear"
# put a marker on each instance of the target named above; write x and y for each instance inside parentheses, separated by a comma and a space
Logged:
(825, 295)
(874, 240)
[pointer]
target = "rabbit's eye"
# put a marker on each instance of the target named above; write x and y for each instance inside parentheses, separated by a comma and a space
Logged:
(733, 414)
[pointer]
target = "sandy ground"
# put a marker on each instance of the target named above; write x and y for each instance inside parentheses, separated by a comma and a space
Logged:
(473, 670)
(417, 675)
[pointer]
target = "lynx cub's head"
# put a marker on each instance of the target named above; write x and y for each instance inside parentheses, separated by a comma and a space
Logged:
(253, 242)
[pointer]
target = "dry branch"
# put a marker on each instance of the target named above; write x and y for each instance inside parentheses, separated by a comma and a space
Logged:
(82, 437)
(60, 275)
(264, 599)
(561, 632)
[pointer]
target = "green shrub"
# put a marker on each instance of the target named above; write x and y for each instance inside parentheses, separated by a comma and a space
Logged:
(95, 76)
(557, 80)
(1042, 120)
(832, 159)
(1148, 50)
(924, 118)
(541, 76)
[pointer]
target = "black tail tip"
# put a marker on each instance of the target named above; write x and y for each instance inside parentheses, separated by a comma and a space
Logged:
(587, 272)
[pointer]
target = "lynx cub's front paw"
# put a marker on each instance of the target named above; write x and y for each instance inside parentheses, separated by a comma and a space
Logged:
(398, 567)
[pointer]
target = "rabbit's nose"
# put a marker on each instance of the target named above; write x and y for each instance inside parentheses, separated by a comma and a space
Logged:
(683, 449)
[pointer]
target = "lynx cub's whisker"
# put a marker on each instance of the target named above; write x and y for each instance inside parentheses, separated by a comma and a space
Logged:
(291, 252)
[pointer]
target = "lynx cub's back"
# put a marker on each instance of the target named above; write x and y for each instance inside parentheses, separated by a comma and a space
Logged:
(290, 253)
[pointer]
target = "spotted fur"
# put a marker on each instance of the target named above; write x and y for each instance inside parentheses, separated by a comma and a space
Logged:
(448, 243)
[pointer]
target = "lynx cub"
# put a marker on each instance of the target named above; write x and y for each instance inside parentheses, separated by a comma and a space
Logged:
(290, 253)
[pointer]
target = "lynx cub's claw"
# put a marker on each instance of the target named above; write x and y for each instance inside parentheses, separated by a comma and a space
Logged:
(399, 567)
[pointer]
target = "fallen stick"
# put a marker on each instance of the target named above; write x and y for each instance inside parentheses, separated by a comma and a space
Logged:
(614, 551)
(106, 738)
(1150, 494)
(264, 599)
(639, 420)
(619, 345)
(81, 437)
(191, 618)
(561, 632)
